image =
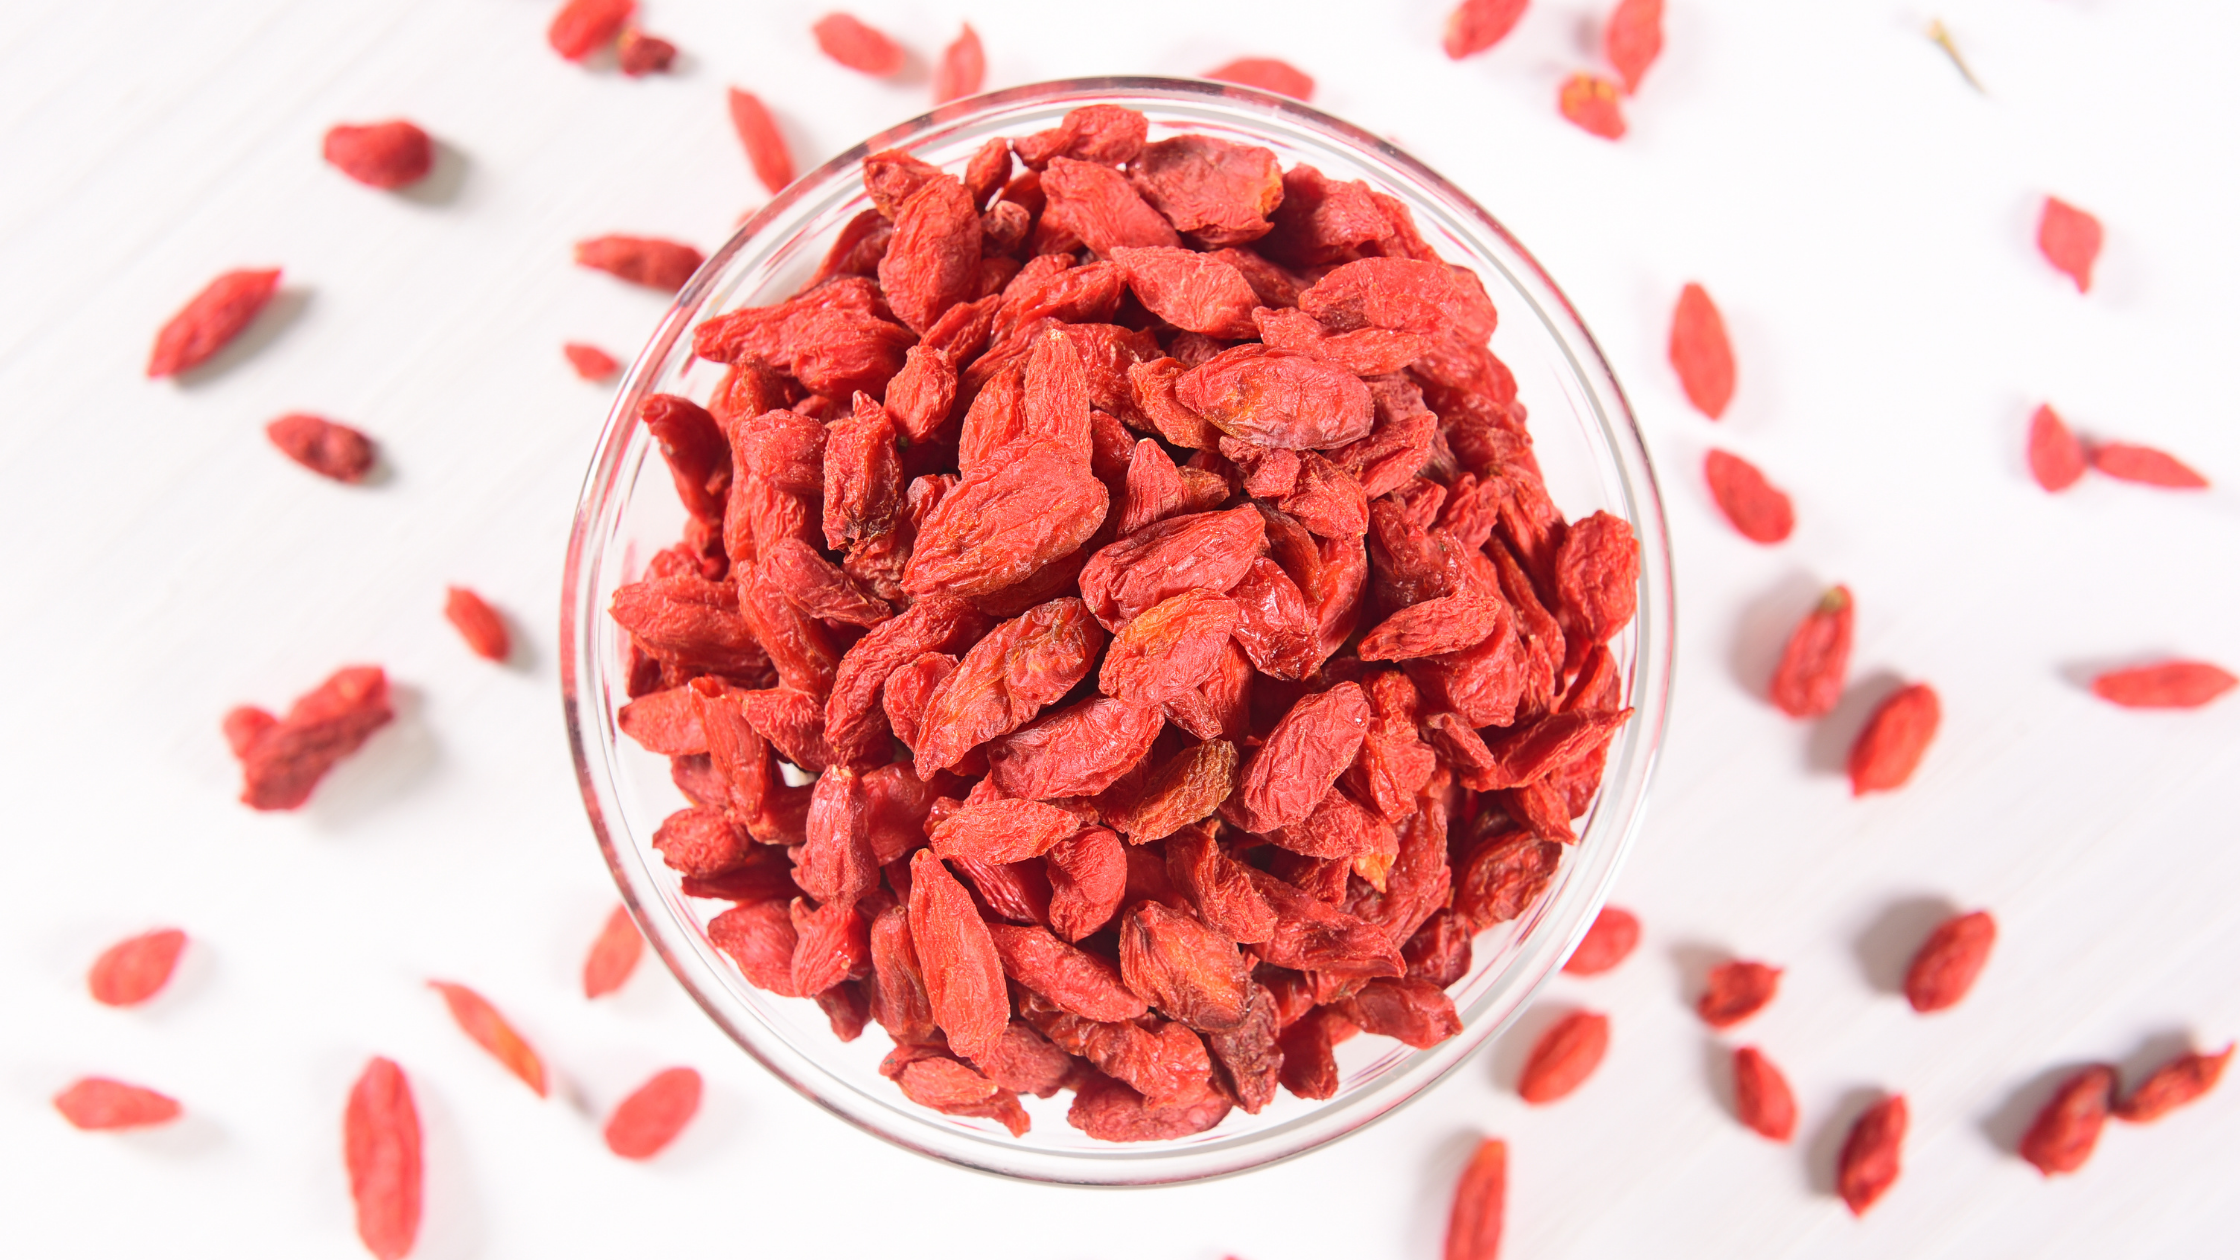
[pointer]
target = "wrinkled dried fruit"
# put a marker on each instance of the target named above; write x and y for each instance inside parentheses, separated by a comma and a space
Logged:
(2057, 458)
(210, 320)
(640, 54)
(95, 1103)
(481, 1021)
(1761, 1095)
(1184, 968)
(963, 973)
(857, 46)
(1809, 679)
(1734, 991)
(613, 956)
(583, 27)
(1633, 38)
(2070, 240)
(1757, 510)
(1481, 1195)
(1700, 352)
(2146, 466)
(1590, 103)
(652, 1116)
(1267, 74)
(1566, 1054)
(1868, 1164)
(590, 362)
(2173, 1085)
(478, 623)
(1894, 739)
(963, 66)
(380, 155)
(1473, 27)
(652, 262)
(1606, 944)
(765, 146)
(381, 1150)
(283, 758)
(1946, 965)
(2061, 1139)
(135, 969)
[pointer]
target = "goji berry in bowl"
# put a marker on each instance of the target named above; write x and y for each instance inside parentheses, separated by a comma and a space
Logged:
(1227, 408)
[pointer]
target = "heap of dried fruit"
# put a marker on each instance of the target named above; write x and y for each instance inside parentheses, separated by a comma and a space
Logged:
(1145, 556)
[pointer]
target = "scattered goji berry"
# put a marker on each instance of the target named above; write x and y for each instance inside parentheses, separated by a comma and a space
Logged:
(1700, 352)
(1476, 25)
(2165, 685)
(1891, 744)
(1267, 74)
(2146, 466)
(614, 955)
(283, 758)
(1606, 944)
(1868, 1164)
(1633, 38)
(1761, 1095)
(135, 969)
(210, 320)
(2173, 1085)
(96, 1102)
(1809, 679)
(478, 623)
(380, 155)
(324, 447)
(590, 362)
(2070, 240)
(1946, 965)
(583, 27)
(1566, 1054)
(481, 1021)
(654, 263)
(963, 66)
(1590, 103)
(641, 54)
(654, 1114)
(2061, 1139)
(1481, 1195)
(1757, 510)
(1734, 991)
(2057, 458)
(857, 46)
(758, 133)
(381, 1150)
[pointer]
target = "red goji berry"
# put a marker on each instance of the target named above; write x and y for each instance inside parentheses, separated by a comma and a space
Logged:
(1757, 510)
(857, 46)
(963, 66)
(1868, 1164)
(1891, 744)
(654, 263)
(1633, 38)
(380, 155)
(326, 448)
(583, 27)
(963, 973)
(590, 362)
(2070, 240)
(1481, 1195)
(2173, 1085)
(478, 623)
(381, 1150)
(1809, 679)
(96, 1103)
(1267, 74)
(1761, 1095)
(2164, 685)
(135, 969)
(283, 758)
(2061, 1139)
(1590, 103)
(641, 54)
(1734, 991)
(614, 955)
(1946, 965)
(1700, 353)
(2057, 458)
(654, 1114)
(1476, 25)
(481, 1021)
(1606, 944)
(2145, 466)
(211, 319)
(1566, 1054)
(758, 133)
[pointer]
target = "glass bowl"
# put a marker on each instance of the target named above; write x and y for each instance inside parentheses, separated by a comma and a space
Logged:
(1588, 447)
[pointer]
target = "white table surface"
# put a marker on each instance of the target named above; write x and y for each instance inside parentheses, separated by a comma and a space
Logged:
(1864, 218)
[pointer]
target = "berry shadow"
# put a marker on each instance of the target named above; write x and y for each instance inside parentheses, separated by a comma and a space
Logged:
(1514, 1047)
(394, 760)
(446, 176)
(1764, 627)
(1826, 1145)
(1694, 961)
(1885, 949)
(1828, 749)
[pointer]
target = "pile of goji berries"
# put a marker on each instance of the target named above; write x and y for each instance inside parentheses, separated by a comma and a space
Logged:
(1142, 549)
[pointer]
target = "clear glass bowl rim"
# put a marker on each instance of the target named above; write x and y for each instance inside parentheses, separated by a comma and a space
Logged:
(1612, 829)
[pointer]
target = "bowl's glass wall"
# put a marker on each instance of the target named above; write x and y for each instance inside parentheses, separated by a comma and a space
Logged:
(1587, 446)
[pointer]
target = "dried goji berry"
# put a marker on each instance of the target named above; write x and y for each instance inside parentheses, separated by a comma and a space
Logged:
(1564, 1056)
(478, 623)
(2173, 1085)
(1893, 741)
(1607, 943)
(96, 1103)
(1098, 205)
(2070, 240)
(650, 261)
(1088, 879)
(381, 1150)
(283, 758)
(2057, 458)
(1413, 1012)
(481, 1021)
(857, 46)
(1946, 965)
(1734, 991)
(1597, 569)
(583, 27)
(1267, 74)
(963, 973)
(1110, 1111)
(2146, 466)
(210, 320)
(963, 66)
(1473, 27)
(1868, 1164)
(1809, 679)
(758, 133)
(380, 155)
(654, 1114)
(641, 54)
(1633, 38)
(590, 362)
(135, 969)
(1761, 1095)
(1700, 352)
(1757, 510)
(613, 956)
(2061, 1139)
(1169, 649)
(1590, 103)
(1304, 754)
(1481, 1195)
